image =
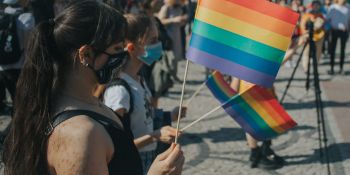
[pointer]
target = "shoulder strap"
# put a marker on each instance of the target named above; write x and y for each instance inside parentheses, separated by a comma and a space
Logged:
(65, 115)
(126, 118)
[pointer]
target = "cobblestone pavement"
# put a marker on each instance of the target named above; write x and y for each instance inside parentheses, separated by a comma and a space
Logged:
(217, 144)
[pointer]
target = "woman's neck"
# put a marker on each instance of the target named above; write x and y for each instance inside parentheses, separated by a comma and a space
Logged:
(133, 67)
(81, 89)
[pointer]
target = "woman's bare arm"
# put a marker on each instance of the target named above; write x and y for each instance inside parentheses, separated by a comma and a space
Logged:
(79, 146)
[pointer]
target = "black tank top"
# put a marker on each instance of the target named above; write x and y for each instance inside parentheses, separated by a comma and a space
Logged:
(126, 159)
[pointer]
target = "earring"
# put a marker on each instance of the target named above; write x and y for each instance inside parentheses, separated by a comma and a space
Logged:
(85, 63)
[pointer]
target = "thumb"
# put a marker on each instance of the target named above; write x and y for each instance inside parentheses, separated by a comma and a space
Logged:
(166, 153)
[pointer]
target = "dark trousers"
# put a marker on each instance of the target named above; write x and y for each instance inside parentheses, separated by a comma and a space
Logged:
(343, 35)
(326, 47)
(8, 80)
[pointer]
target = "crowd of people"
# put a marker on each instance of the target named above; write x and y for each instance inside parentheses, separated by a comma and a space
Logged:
(331, 21)
(85, 76)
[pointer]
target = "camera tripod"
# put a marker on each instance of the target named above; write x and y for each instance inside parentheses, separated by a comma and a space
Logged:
(322, 134)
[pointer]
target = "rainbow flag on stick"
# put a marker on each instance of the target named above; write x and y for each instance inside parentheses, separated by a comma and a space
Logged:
(256, 110)
(243, 38)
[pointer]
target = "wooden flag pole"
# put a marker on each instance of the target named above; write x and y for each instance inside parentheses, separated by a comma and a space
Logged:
(207, 114)
(195, 93)
(181, 101)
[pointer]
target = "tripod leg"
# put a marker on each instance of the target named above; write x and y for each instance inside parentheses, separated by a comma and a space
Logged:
(319, 127)
(307, 85)
(293, 74)
(325, 140)
(312, 56)
(319, 105)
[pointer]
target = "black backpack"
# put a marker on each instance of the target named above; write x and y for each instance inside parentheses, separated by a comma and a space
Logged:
(10, 50)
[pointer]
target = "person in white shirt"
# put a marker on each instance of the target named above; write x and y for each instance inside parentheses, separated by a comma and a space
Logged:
(144, 48)
(339, 18)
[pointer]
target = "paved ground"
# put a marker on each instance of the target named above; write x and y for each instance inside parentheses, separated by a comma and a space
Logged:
(217, 145)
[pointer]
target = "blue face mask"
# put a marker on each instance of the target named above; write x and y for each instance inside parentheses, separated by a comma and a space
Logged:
(152, 53)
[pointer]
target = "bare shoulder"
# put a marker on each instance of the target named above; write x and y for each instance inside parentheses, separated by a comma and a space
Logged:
(79, 145)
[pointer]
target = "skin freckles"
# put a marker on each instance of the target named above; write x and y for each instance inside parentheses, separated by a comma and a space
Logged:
(70, 146)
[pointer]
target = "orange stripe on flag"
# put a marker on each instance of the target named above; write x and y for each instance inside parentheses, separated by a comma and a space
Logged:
(258, 108)
(269, 108)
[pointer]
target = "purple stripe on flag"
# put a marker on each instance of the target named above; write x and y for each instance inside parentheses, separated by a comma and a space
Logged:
(228, 67)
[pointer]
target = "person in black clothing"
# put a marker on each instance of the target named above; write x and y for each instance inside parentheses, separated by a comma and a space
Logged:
(339, 19)
(59, 127)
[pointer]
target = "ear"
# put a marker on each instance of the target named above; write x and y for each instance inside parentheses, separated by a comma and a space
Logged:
(130, 47)
(86, 55)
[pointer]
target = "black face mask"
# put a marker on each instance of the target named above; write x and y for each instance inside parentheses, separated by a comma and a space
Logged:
(115, 62)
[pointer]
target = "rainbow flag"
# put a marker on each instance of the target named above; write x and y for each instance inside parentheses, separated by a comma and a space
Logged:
(243, 38)
(256, 110)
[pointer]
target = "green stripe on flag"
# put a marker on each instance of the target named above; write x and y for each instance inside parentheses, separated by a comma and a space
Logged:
(254, 115)
(238, 42)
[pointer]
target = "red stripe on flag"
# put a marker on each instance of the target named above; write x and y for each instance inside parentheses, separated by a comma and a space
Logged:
(270, 9)
(277, 106)
(268, 107)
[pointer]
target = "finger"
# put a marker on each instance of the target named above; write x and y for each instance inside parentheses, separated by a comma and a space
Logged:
(169, 140)
(180, 167)
(179, 164)
(174, 155)
(180, 161)
(172, 131)
(166, 153)
(184, 111)
(179, 134)
(183, 114)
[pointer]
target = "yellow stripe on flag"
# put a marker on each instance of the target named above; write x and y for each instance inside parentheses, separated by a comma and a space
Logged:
(261, 111)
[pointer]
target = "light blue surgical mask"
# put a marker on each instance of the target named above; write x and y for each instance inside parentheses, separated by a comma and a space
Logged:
(152, 53)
